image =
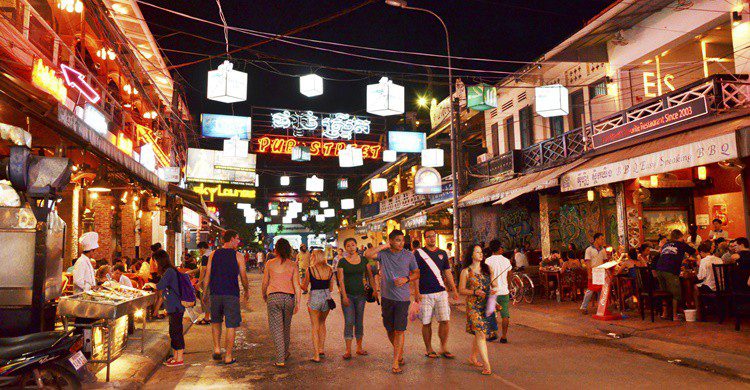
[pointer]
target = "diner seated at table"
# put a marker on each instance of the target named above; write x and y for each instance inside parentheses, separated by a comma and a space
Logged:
(102, 275)
(741, 257)
(118, 274)
(706, 282)
(693, 238)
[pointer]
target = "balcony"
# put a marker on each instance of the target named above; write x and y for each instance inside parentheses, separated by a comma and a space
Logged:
(722, 93)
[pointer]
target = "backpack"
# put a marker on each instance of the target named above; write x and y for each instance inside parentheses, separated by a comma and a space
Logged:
(187, 292)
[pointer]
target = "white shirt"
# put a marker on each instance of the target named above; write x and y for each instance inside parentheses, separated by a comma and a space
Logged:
(706, 271)
(698, 240)
(83, 274)
(596, 257)
(521, 260)
(500, 266)
(125, 281)
(714, 234)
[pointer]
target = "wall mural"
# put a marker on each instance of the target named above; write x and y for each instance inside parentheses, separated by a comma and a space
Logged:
(484, 224)
(579, 222)
(517, 226)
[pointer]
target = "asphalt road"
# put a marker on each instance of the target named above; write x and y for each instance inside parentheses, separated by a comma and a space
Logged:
(532, 360)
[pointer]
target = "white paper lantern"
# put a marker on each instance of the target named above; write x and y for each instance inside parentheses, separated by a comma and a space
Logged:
(284, 180)
(295, 207)
(323, 204)
(314, 184)
(304, 218)
(385, 98)
(286, 220)
(551, 100)
(274, 212)
(301, 153)
(227, 85)
(329, 213)
(379, 185)
(350, 157)
(311, 85)
(347, 204)
(432, 157)
(320, 218)
(390, 155)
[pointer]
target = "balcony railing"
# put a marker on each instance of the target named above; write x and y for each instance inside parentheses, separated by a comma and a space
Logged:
(722, 93)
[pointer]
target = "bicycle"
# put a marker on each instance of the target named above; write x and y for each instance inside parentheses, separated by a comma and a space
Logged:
(521, 287)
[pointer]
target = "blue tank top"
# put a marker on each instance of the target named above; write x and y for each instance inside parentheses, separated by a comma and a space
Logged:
(224, 273)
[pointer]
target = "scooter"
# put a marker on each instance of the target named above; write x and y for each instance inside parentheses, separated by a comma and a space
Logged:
(46, 360)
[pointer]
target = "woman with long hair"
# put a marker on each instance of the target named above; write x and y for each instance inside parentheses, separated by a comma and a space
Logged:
(170, 290)
(351, 269)
(319, 277)
(282, 292)
(476, 283)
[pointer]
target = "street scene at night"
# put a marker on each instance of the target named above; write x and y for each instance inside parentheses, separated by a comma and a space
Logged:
(211, 194)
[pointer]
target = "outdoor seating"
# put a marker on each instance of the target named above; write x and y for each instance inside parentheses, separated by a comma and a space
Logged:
(722, 297)
(648, 291)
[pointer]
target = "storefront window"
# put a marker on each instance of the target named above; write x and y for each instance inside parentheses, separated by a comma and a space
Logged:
(526, 122)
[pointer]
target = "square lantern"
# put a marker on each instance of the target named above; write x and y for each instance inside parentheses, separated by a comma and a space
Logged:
(347, 204)
(301, 153)
(551, 100)
(284, 180)
(274, 212)
(323, 204)
(320, 218)
(329, 213)
(295, 207)
(390, 155)
(385, 98)
(350, 157)
(379, 185)
(286, 220)
(481, 97)
(227, 85)
(311, 85)
(433, 158)
(314, 184)
(342, 183)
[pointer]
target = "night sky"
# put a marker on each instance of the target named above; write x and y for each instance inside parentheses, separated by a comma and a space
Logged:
(519, 30)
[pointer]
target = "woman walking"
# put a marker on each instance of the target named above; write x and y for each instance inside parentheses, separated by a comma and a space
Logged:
(170, 289)
(281, 291)
(351, 271)
(476, 284)
(319, 277)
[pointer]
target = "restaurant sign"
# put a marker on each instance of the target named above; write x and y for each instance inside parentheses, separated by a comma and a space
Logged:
(331, 126)
(445, 194)
(659, 120)
(211, 193)
(707, 151)
(320, 148)
(369, 210)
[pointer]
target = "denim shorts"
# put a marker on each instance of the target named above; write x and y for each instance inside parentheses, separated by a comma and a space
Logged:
(319, 300)
(226, 307)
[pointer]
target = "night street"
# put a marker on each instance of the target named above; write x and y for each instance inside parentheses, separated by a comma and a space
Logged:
(531, 360)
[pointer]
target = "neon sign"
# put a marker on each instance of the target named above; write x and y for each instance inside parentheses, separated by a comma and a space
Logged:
(125, 144)
(44, 78)
(320, 148)
(77, 80)
(218, 191)
(333, 126)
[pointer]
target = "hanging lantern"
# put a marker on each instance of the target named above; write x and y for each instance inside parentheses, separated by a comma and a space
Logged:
(347, 204)
(227, 85)
(654, 181)
(481, 97)
(702, 174)
(323, 204)
(390, 155)
(432, 157)
(385, 98)
(427, 181)
(342, 183)
(379, 185)
(304, 218)
(311, 85)
(295, 207)
(284, 180)
(320, 218)
(286, 220)
(314, 184)
(350, 157)
(274, 212)
(329, 213)
(301, 153)
(551, 100)
(590, 195)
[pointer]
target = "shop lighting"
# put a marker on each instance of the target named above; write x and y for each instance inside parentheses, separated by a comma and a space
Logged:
(274, 212)
(284, 180)
(72, 6)
(150, 115)
(422, 101)
(99, 185)
(311, 85)
(304, 218)
(138, 313)
(654, 181)
(590, 195)
(287, 220)
(106, 53)
(94, 195)
(124, 198)
(702, 174)
(140, 214)
(120, 9)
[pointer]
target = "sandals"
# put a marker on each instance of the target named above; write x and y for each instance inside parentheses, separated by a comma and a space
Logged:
(397, 371)
(474, 363)
(229, 363)
(432, 355)
(486, 372)
(315, 361)
(448, 355)
(363, 353)
(279, 365)
(204, 322)
(347, 356)
(171, 362)
(216, 356)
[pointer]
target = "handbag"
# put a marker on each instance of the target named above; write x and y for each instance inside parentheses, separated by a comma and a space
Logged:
(369, 293)
(331, 303)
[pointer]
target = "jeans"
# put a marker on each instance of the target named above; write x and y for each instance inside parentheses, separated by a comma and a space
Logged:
(176, 338)
(587, 299)
(353, 317)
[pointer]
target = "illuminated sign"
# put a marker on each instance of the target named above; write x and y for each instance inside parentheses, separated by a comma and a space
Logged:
(407, 141)
(481, 97)
(44, 78)
(77, 80)
(95, 119)
(427, 181)
(148, 157)
(145, 133)
(190, 217)
(225, 126)
(284, 145)
(211, 166)
(333, 126)
(218, 191)
(125, 144)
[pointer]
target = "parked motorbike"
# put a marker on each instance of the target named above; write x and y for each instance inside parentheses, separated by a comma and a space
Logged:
(46, 360)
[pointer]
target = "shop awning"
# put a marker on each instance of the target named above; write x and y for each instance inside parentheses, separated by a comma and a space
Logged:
(534, 182)
(703, 146)
(482, 195)
(395, 214)
(438, 207)
(192, 201)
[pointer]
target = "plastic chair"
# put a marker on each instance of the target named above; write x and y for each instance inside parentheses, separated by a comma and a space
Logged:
(647, 290)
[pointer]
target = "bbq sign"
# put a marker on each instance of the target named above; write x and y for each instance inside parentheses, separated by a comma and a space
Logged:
(653, 122)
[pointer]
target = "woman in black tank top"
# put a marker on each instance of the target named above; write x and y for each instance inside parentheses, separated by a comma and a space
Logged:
(319, 278)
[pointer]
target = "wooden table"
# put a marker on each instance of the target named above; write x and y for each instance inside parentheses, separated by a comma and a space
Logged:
(546, 275)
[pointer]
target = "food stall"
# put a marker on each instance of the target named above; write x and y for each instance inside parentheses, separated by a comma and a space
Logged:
(106, 338)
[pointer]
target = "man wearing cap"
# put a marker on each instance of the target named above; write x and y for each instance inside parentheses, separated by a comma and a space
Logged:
(83, 272)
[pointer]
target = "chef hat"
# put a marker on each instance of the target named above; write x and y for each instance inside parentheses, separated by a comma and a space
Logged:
(89, 241)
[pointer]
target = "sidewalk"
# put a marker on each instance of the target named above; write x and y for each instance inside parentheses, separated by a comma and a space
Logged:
(133, 368)
(703, 345)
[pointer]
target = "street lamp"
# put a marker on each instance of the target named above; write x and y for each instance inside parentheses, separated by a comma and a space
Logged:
(454, 157)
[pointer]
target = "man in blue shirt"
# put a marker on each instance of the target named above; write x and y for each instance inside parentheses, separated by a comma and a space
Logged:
(397, 269)
(668, 268)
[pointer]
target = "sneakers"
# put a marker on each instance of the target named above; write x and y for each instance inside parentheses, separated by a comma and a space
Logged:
(173, 363)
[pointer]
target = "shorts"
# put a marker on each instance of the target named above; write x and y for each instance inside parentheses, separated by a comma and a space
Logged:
(504, 302)
(319, 300)
(670, 283)
(435, 305)
(703, 289)
(395, 315)
(226, 307)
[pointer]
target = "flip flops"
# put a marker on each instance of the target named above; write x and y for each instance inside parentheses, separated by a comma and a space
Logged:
(397, 371)
(229, 363)
(448, 355)
(432, 355)
(216, 356)
(363, 353)
(204, 322)
(347, 356)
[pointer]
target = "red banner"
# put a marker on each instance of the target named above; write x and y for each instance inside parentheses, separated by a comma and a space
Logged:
(321, 148)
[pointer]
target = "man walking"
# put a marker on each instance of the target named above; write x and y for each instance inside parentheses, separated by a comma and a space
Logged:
(224, 266)
(502, 272)
(397, 269)
(205, 294)
(595, 256)
(303, 262)
(435, 277)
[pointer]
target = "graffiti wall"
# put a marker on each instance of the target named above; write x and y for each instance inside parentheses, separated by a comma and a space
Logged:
(579, 220)
(484, 223)
(513, 224)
